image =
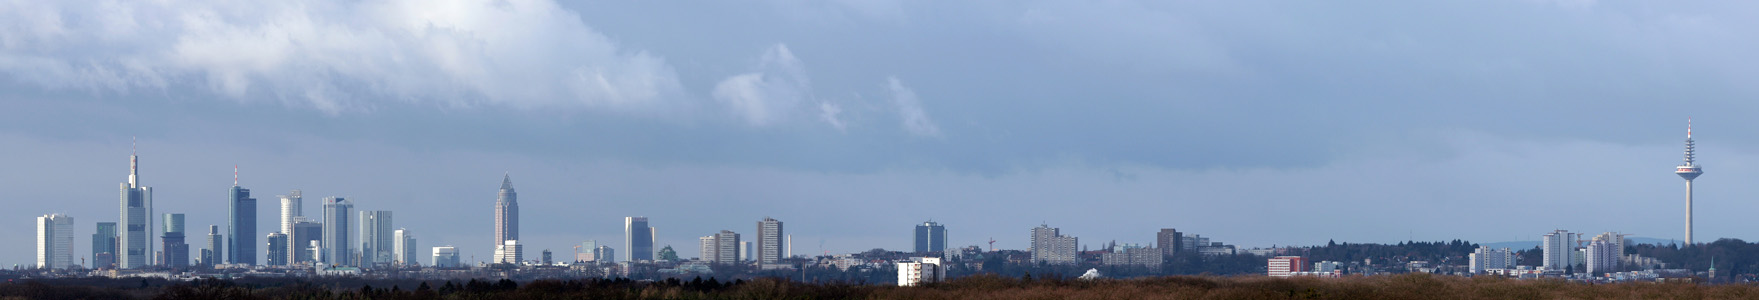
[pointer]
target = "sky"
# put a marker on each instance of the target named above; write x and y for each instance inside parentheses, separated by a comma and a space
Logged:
(1253, 123)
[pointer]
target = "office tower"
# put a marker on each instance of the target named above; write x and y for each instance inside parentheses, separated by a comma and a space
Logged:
(300, 241)
(583, 251)
(1485, 258)
(211, 255)
(376, 237)
(509, 252)
(241, 225)
(1285, 266)
(1170, 241)
(1050, 246)
(604, 254)
(506, 212)
(135, 243)
(104, 246)
(316, 251)
(721, 248)
(1559, 249)
(277, 249)
(1604, 253)
(638, 239)
(54, 241)
(176, 252)
(745, 251)
(1689, 171)
(547, 260)
(403, 247)
(292, 207)
(445, 257)
(931, 237)
(920, 270)
(334, 239)
(769, 242)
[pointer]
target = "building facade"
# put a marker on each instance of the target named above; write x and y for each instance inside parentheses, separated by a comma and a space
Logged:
(404, 247)
(277, 249)
(299, 249)
(176, 252)
(721, 248)
(769, 242)
(104, 246)
(216, 242)
(292, 208)
(1170, 241)
(1559, 249)
(1284, 266)
(920, 270)
(604, 254)
(510, 252)
(1143, 256)
(1604, 253)
(1051, 247)
(1483, 259)
(446, 257)
(931, 237)
(638, 239)
(54, 241)
(335, 239)
(241, 227)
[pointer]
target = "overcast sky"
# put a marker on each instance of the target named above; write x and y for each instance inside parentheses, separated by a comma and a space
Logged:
(1252, 123)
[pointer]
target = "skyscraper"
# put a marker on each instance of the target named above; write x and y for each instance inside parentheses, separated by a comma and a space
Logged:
(769, 242)
(278, 249)
(176, 250)
(404, 247)
(241, 224)
(638, 239)
(376, 237)
(299, 242)
(604, 254)
(292, 206)
(506, 212)
(931, 237)
(54, 241)
(1689, 171)
(721, 248)
(1050, 246)
(337, 250)
(104, 246)
(1604, 253)
(510, 252)
(1170, 241)
(136, 243)
(216, 241)
(1559, 249)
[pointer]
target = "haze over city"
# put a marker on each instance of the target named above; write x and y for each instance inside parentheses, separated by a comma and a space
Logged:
(1255, 124)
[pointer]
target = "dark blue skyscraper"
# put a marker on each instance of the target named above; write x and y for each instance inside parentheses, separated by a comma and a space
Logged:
(931, 237)
(241, 226)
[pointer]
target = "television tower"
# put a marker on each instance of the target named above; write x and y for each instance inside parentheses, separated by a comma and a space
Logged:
(1689, 171)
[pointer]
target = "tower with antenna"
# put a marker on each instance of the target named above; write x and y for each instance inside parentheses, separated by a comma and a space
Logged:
(1689, 171)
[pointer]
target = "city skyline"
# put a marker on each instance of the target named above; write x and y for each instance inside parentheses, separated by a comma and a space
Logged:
(849, 120)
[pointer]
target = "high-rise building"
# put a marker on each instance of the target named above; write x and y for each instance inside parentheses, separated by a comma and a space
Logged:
(638, 239)
(277, 249)
(931, 237)
(104, 246)
(299, 242)
(547, 258)
(1604, 253)
(176, 252)
(769, 242)
(241, 225)
(377, 238)
(446, 257)
(1485, 258)
(54, 241)
(404, 247)
(506, 212)
(292, 207)
(335, 239)
(1170, 241)
(920, 270)
(583, 251)
(1689, 171)
(745, 251)
(510, 252)
(721, 248)
(1141, 256)
(604, 253)
(216, 241)
(135, 242)
(1559, 248)
(1050, 246)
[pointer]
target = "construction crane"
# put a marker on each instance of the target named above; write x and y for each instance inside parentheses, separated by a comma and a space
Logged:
(992, 244)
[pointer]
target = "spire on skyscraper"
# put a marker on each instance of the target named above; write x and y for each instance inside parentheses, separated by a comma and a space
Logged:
(507, 181)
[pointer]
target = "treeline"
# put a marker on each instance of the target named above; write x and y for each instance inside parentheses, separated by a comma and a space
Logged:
(1734, 258)
(1439, 252)
(990, 286)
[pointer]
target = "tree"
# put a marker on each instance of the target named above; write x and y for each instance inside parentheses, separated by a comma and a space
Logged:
(667, 254)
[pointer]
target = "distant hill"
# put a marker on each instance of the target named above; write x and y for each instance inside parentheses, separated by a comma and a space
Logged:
(1524, 245)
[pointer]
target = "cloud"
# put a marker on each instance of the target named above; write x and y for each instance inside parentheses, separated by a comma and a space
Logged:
(333, 56)
(829, 113)
(769, 94)
(910, 112)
